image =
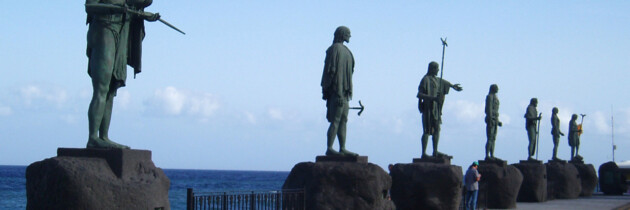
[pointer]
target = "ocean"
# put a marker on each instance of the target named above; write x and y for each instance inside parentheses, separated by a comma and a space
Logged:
(13, 183)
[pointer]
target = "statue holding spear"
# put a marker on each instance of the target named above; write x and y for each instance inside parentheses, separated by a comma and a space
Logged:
(431, 95)
(114, 40)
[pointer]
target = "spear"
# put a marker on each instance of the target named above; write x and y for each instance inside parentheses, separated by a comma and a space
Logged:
(103, 6)
(444, 45)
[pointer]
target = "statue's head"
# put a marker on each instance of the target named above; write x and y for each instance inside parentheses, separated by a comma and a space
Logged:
(494, 88)
(533, 101)
(342, 34)
(574, 117)
(554, 110)
(433, 69)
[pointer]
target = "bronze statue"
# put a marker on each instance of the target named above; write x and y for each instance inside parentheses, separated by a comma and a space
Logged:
(431, 95)
(337, 90)
(492, 120)
(555, 132)
(114, 40)
(532, 119)
(574, 136)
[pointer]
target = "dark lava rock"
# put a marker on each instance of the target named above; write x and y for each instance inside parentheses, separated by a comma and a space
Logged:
(611, 181)
(563, 180)
(534, 186)
(66, 182)
(499, 185)
(588, 178)
(426, 186)
(341, 185)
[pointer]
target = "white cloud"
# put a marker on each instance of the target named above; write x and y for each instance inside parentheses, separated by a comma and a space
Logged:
(5, 111)
(250, 117)
(275, 114)
(467, 111)
(34, 95)
(505, 119)
(123, 99)
(602, 122)
(175, 102)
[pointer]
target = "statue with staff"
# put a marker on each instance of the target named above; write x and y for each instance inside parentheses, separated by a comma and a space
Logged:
(114, 40)
(575, 131)
(431, 94)
(532, 125)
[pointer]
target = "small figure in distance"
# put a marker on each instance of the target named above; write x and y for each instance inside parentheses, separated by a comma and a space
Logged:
(471, 184)
(337, 90)
(492, 120)
(555, 132)
(431, 94)
(531, 119)
(574, 137)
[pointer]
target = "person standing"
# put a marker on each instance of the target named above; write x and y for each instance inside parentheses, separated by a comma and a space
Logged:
(337, 90)
(471, 182)
(531, 120)
(492, 120)
(555, 132)
(431, 94)
(114, 40)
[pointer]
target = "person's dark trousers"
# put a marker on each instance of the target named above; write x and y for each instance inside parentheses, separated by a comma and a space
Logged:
(471, 199)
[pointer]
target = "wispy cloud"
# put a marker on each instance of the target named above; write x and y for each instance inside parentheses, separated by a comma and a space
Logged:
(35, 95)
(5, 110)
(171, 101)
(275, 114)
(467, 111)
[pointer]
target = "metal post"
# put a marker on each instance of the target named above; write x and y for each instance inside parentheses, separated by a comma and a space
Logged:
(189, 199)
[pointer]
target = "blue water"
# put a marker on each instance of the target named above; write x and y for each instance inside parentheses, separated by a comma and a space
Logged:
(13, 184)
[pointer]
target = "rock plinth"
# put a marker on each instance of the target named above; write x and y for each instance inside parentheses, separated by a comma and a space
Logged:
(341, 185)
(588, 178)
(97, 179)
(499, 185)
(534, 186)
(563, 180)
(611, 181)
(425, 185)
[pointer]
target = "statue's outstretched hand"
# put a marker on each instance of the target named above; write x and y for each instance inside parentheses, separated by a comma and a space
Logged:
(457, 87)
(151, 17)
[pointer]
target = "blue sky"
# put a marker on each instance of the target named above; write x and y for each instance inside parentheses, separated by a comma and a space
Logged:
(241, 89)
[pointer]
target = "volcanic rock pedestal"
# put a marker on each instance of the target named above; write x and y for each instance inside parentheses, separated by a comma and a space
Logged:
(341, 183)
(499, 184)
(563, 180)
(611, 181)
(588, 177)
(534, 186)
(426, 185)
(97, 179)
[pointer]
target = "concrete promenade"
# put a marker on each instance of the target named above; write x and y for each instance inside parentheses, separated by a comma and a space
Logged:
(597, 201)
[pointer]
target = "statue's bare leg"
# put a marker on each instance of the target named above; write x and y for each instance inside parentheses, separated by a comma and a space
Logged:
(332, 133)
(425, 141)
(436, 140)
(101, 66)
(107, 117)
(341, 133)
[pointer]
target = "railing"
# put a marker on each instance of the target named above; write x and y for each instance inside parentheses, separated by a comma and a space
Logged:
(246, 200)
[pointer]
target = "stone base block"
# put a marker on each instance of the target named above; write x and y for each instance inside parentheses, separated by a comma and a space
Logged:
(97, 179)
(352, 159)
(588, 178)
(341, 185)
(563, 181)
(534, 186)
(499, 185)
(426, 186)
